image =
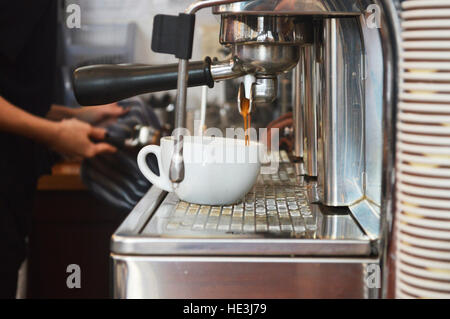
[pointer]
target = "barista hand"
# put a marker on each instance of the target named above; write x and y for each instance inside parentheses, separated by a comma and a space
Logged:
(101, 114)
(74, 138)
(70, 137)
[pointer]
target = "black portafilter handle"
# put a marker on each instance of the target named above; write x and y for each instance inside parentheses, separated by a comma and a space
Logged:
(103, 84)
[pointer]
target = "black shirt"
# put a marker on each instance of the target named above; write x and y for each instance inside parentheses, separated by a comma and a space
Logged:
(27, 69)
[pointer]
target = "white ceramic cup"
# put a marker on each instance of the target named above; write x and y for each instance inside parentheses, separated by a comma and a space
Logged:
(218, 171)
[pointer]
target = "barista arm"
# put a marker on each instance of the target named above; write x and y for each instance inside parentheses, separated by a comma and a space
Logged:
(94, 115)
(71, 137)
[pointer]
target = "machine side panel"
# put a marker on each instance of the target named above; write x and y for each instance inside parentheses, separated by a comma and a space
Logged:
(219, 277)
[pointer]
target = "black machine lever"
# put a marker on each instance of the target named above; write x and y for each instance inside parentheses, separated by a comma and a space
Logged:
(174, 34)
(102, 84)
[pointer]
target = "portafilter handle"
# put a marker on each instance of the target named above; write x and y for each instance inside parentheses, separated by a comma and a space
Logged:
(103, 84)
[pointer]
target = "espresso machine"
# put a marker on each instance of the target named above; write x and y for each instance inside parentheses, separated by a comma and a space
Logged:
(319, 226)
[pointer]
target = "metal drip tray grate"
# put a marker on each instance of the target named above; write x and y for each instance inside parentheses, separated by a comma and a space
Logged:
(275, 218)
(274, 205)
(277, 207)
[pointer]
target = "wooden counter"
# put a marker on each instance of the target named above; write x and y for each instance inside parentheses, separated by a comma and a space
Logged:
(65, 176)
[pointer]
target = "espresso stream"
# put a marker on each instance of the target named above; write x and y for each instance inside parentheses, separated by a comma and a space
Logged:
(245, 112)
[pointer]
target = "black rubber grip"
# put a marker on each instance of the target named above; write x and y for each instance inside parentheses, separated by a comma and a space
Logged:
(103, 84)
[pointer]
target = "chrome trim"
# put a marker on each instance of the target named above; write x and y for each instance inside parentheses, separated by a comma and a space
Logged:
(226, 70)
(138, 218)
(294, 7)
(201, 4)
(244, 247)
(390, 34)
(368, 216)
(265, 59)
(264, 29)
(310, 100)
(298, 109)
(372, 91)
(176, 168)
(342, 117)
(265, 89)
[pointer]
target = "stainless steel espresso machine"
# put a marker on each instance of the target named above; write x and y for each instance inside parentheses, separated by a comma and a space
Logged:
(318, 227)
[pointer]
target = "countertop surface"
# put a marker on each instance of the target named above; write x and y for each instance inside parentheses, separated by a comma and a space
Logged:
(65, 176)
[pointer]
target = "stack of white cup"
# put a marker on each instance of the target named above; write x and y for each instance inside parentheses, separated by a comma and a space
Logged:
(423, 152)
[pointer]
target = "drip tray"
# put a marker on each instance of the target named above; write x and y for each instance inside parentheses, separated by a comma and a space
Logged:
(275, 218)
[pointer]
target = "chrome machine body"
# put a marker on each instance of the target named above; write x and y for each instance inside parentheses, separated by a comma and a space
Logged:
(318, 227)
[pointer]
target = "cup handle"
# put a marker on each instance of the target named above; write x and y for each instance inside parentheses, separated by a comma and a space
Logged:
(160, 181)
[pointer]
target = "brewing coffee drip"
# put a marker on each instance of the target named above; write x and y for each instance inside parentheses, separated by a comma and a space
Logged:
(245, 109)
